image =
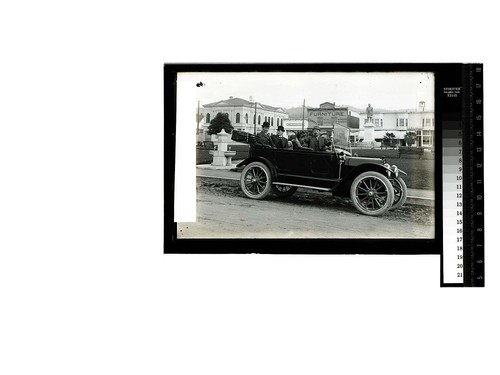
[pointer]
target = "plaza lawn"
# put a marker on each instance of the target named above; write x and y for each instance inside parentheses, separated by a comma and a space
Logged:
(420, 171)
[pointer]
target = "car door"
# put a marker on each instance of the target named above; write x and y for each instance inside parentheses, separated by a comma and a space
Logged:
(324, 168)
(306, 168)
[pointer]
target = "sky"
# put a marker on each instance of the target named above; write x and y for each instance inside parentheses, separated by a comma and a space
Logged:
(382, 90)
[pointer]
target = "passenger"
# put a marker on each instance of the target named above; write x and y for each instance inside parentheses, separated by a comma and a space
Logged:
(278, 140)
(298, 143)
(302, 136)
(317, 142)
(264, 138)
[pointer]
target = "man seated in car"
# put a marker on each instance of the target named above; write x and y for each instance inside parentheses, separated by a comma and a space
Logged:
(278, 140)
(318, 142)
(298, 141)
(263, 137)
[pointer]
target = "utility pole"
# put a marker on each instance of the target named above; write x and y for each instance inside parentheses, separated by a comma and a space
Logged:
(303, 112)
(255, 120)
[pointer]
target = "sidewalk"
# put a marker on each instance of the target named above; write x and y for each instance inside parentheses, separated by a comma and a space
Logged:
(415, 196)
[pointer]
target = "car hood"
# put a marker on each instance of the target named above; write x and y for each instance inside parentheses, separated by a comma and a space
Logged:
(355, 161)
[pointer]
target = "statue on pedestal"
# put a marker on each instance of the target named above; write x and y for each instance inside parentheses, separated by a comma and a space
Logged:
(369, 113)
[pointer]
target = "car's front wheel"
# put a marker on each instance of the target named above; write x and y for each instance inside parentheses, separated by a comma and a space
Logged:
(255, 180)
(400, 193)
(284, 191)
(372, 193)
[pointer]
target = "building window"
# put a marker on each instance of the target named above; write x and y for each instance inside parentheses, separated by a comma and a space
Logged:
(401, 122)
(208, 118)
(259, 120)
(246, 118)
(237, 118)
(272, 119)
(427, 122)
(381, 122)
(376, 122)
(406, 122)
(423, 123)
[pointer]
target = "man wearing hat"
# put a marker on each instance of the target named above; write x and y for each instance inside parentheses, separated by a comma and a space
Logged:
(317, 142)
(264, 138)
(278, 140)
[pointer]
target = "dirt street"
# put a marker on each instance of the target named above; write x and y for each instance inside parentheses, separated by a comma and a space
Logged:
(225, 212)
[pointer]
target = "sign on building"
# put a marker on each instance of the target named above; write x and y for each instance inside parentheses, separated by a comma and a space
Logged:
(327, 117)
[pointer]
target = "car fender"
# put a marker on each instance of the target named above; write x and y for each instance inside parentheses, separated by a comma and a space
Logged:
(261, 159)
(344, 186)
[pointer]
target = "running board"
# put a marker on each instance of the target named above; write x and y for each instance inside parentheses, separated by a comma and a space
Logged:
(303, 186)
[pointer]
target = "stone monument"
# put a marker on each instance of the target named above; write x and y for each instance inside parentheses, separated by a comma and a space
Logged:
(369, 132)
(222, 157)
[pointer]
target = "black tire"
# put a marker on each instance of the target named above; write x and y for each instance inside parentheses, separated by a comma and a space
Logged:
(284, 191)
(400, 193)
(372, 193)
(255, 180)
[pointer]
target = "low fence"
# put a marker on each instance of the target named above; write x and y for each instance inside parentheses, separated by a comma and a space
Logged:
(203, 156)
(394, 153)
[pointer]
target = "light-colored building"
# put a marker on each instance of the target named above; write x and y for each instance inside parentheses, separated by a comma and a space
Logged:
(294, 126)
(418, 121)
(245, 115)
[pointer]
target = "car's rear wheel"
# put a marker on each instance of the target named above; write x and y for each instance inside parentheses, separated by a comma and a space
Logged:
(372, 193)
(255, 180)
(284, 191)
(400, 193)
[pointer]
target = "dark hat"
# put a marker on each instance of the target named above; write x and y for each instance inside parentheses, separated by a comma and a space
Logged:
(265, 124)
(281, 128)
(317, 127)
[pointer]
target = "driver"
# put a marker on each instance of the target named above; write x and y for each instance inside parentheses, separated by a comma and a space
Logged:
(318, 142)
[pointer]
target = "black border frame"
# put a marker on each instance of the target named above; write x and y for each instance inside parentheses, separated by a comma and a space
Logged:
(445, 75)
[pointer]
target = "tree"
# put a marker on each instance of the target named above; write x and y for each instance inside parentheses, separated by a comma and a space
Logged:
(221, 121)
(410, 138)
(388, 140)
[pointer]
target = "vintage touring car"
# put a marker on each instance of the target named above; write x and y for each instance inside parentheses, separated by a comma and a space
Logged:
(373, 186)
